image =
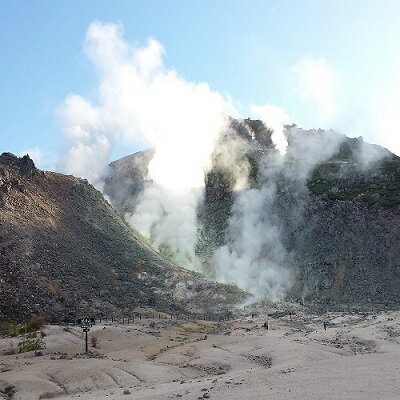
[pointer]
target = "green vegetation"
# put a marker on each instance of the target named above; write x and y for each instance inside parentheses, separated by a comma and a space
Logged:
(167, 253)
(11, 329)
(35, 323)
(164, 249)
(30, 342)
(378, 186)
(32, 336)
(386, 195)
(145, 239)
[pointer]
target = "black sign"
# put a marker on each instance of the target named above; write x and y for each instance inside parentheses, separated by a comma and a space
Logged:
(86, 321)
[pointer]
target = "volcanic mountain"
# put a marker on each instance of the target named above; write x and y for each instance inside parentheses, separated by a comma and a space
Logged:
(338, 211)
(65, 253)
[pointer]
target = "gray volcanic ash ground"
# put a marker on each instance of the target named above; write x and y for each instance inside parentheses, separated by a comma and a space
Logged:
(355, 358)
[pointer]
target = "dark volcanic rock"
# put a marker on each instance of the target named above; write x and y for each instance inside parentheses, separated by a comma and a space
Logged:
(345, 251)
(27, 167)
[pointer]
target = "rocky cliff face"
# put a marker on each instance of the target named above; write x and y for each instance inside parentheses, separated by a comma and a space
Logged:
(125, 180)
(347, 252)
(338, 213)
(65, 252)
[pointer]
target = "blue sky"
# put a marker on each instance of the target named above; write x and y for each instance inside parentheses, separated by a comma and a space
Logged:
(254, 52)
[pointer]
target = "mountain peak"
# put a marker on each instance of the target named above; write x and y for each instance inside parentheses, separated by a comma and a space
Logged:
(24, 165)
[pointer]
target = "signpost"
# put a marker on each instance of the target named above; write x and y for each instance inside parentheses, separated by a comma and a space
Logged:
(86, 324)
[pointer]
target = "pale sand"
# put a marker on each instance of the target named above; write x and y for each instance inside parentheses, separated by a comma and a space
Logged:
(358, 357)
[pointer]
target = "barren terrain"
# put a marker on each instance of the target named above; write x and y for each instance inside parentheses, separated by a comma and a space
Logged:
(357, 357)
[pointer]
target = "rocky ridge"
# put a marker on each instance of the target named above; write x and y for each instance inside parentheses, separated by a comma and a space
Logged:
(65, 252)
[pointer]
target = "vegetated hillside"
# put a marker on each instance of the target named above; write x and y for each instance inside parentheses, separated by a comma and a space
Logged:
(65, 253)
(340, 222)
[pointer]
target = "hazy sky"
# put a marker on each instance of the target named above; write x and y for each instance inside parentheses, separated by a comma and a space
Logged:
(327, 63)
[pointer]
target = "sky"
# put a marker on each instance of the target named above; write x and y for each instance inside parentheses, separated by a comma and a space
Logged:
(328, 64)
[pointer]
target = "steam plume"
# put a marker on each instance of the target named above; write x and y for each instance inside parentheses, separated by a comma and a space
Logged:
(316, 85)
(141, 100)
(256, 255)
(275, 118)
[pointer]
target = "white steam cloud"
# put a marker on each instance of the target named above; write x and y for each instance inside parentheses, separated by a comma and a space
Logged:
(275, 118)
(254, 256)
(140, 99)
(387, 121)
(316, 84)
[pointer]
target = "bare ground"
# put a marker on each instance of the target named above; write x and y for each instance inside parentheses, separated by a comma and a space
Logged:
(357, 357)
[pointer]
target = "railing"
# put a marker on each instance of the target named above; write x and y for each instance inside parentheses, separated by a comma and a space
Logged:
(136, 316)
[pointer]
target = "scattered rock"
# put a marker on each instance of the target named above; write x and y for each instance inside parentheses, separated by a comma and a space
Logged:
(261, 360)
(9, 391)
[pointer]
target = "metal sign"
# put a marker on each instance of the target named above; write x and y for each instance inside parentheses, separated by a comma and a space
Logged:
(86, 324)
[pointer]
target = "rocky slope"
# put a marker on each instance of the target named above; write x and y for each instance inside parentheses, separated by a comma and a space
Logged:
(339, 211)
(65, 252)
